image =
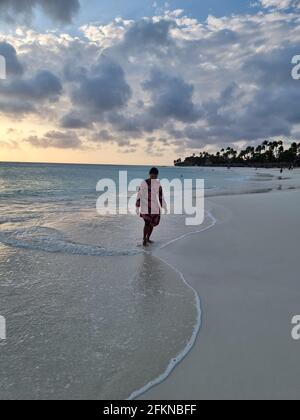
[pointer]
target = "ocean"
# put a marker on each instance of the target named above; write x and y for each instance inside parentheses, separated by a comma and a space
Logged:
(89, 313)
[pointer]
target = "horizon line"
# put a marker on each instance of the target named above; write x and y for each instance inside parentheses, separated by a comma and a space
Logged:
(78, 163)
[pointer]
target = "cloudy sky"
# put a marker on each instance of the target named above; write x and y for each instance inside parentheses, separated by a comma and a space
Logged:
(143, 81)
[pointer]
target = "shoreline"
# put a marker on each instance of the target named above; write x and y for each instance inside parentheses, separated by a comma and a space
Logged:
(234, 378)
(197, 328)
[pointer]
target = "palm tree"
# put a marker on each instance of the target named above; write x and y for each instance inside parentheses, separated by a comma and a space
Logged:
(259, 149)
(271, 152)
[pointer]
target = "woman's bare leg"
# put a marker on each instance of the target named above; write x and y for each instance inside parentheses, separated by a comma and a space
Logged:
(146, 233)
(150, 230)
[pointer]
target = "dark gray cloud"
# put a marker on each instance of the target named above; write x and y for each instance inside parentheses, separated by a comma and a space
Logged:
(260, 104)
(104, 136)
(61, 11)
(104, 89)
(56, 139)
(269, 109)
(13, 65)
(43, 86)
(16, 108)
(73, 121)
(20, 96)
(135, 124)
(148, 36)
(172, 97)
(272, 68)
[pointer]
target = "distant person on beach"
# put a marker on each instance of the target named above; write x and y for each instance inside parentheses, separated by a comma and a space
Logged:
(149, 202)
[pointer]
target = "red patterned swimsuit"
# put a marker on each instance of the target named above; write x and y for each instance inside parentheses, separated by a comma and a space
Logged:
(150, 200)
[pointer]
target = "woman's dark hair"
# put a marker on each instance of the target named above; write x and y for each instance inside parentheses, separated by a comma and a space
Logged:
(154, 171)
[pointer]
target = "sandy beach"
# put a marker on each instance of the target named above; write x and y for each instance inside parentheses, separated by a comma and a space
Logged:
(245, 271)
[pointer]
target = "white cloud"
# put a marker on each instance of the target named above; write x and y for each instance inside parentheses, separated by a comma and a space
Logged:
(14, 10)
(106, 35)
(280, 4)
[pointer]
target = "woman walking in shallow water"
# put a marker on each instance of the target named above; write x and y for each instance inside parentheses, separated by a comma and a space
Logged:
(149, 202)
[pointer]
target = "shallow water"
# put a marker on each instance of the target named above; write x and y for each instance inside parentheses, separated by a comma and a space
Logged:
(81, 327)
(89, 314)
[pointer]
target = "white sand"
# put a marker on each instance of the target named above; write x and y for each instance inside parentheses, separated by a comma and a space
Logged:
(246, 271)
